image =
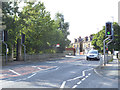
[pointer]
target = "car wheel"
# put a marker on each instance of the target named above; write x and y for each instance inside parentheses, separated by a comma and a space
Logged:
(98, 59)
(87, 58)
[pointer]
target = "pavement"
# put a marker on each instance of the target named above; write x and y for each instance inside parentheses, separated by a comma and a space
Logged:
(111, 71)
(15, 63)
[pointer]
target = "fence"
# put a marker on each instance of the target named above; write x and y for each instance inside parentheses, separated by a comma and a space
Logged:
(43, 57)
(34, 57)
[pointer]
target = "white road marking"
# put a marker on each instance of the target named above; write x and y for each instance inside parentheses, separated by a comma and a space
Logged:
(46, 68)
(32, 75)
(83, 79)
(34, 66)
(63, 84)
(57, 68)
(14, 72)
(27, 77)
(74, 86)
(83, 74)
(13, 82)
(97, 72)
(89, 74)
(51, 62)
(75, 78)
(89, 69)
(86, 76)
(39, 68)
(79, 82)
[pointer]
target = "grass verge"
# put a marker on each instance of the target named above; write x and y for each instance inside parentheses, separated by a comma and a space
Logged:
(111, 60)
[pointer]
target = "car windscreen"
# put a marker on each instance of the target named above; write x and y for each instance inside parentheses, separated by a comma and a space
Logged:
(93, 52)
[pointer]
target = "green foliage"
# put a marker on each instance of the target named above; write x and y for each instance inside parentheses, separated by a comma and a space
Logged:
(41, 32)
(97, 41)
(63, 29)
(99, 37)
(9, 18)
(116, 41)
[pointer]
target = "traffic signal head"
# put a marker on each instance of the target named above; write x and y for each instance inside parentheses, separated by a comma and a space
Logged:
(108, 29)
(5, 35)
(106, 48)
(23, 38)
(112, 37)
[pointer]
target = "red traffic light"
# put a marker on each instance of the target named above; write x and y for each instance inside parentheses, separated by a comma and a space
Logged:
(58, 45)
(106, 48)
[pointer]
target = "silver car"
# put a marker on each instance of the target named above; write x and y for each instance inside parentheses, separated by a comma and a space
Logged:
(93, 54)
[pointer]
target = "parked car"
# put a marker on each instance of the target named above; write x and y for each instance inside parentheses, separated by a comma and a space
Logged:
(93, 54)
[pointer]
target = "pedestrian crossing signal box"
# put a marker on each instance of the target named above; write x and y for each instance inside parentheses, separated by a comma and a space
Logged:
(108, 29)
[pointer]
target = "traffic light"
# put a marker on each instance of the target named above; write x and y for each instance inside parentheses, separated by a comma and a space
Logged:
(5, 35)
(106, 49)
(112, 37)
(108, 29)
(23, 38)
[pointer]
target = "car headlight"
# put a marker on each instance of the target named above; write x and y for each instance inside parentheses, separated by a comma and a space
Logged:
(95, 55)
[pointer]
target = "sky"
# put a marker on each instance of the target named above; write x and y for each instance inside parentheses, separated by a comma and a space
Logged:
(84, 16)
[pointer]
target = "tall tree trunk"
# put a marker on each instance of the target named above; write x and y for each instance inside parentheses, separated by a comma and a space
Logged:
(19, 50)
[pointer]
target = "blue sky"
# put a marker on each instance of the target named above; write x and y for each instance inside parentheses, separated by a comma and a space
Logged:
(84, 16)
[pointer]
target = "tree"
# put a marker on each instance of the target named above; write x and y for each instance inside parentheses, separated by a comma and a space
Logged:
(38, 27)
(63, 29)
(116, 39)
(98, 38)
(41, 32)
(9, 19)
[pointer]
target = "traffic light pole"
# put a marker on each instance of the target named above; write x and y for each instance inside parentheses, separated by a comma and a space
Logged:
(108, 33)
(104, 61)
(24, 48)
(5, 45)
(6, 51)
(24, 52)
(107, 47)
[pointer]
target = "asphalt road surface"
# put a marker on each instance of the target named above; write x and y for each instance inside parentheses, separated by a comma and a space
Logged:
(69, 72)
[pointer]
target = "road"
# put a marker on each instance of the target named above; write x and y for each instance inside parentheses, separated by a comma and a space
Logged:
(69, 72)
